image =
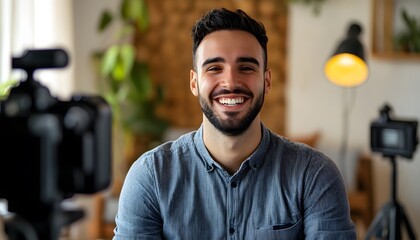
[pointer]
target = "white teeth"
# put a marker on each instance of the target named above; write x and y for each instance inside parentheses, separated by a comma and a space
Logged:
(231, 101)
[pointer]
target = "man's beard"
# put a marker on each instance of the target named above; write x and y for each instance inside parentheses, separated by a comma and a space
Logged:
(233, 126)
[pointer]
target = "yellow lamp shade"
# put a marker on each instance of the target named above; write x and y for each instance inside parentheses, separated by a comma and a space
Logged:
(346, 70)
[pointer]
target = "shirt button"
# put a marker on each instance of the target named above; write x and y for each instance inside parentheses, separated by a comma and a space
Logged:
(231, 230)
(233, 184)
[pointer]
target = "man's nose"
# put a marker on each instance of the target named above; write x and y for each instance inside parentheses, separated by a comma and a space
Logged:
(230, 79)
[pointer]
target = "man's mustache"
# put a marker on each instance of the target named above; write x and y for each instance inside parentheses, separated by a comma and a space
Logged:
(234, 91)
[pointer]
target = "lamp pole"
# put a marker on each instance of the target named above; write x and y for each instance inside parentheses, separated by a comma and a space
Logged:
(348, 100)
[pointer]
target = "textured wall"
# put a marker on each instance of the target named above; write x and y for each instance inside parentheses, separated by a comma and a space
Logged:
(167, 47)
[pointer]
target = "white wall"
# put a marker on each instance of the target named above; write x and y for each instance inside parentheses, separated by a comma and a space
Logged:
(5, 42)
(316, 104)
(88, 40)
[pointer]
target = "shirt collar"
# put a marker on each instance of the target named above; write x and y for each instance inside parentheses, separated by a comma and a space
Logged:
(255, 160)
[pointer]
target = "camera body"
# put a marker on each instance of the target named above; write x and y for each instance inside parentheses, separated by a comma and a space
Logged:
(393, 137)
(51, 149)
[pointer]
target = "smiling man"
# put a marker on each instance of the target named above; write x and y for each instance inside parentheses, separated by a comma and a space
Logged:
(232, 178)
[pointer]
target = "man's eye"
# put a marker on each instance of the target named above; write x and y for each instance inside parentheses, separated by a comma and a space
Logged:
(247, 68)
(213, 69)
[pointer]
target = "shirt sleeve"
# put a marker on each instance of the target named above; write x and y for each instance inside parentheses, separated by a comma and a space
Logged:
(138, 214)
(326, 208)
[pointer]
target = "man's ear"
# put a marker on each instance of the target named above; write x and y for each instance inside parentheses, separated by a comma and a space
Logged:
(193, 83)
(267, 80)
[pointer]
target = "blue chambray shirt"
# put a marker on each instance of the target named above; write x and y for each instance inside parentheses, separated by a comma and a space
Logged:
(284, 190)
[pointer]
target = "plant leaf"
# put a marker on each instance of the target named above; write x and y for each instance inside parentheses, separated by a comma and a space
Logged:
(105, 20)
(5, 88)
(118, 72)
(130, 9)
(143, 17)
(127, 56)
(140, 79)
(135, 11)
(109, 60)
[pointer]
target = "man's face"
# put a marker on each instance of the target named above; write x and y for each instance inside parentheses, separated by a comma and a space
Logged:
(230, 79)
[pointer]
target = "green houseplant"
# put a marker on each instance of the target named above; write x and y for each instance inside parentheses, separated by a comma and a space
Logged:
(126, 84)
(409, 39)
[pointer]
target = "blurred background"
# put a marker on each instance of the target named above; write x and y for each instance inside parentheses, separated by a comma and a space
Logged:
(137, 54)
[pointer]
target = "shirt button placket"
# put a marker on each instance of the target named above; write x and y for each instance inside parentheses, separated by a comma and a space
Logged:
(232, 208)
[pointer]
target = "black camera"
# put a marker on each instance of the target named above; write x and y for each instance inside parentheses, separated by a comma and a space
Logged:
(393, 137)
(51, 149)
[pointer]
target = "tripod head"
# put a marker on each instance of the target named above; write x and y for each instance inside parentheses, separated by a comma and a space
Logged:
(393, 137)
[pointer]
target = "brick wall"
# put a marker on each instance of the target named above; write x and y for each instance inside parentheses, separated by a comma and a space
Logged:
(167, 48)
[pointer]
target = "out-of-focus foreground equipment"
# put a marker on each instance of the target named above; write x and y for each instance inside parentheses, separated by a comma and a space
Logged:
(50, 150)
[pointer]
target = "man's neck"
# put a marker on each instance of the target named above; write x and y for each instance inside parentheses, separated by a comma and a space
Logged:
(231, 151)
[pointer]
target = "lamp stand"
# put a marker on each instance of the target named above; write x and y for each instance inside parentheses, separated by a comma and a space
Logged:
(348, 101)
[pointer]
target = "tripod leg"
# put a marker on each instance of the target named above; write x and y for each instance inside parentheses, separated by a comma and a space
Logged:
(394, 224)
(406, 221)
(377, 225)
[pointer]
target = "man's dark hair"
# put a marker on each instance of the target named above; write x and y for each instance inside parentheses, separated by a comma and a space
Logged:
(223, 19)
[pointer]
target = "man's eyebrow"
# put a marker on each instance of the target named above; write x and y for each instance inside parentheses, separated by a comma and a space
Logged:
(212, 60)
(249, 59)
(239, 60)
